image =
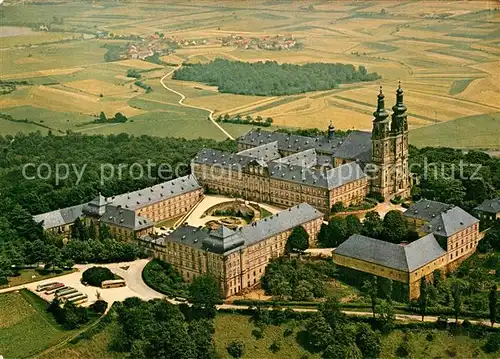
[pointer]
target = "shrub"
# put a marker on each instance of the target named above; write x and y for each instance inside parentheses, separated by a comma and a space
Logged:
(429, 337)
(338, 207)
(466, 324)
(236, 349)
(99, 306)
(275, 346)
(258, 333)
(376, 196)
(403, 351)
(493, 343)
(442, 321)
(288, 332)
(96, 275)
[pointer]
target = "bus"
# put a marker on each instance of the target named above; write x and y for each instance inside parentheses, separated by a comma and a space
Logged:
(66, 292)
(42, 287)
(114, 283)
(77, 298)
(61, 289)
(69, 296)
(52, 289)
(80, 300)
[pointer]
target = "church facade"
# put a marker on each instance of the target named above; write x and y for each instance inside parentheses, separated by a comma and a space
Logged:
(286, 169)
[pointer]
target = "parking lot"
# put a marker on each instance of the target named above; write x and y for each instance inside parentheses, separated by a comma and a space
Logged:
(131, 272)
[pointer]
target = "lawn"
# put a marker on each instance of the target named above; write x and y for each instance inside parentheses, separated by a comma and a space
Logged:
(25, 327)
(443, 345)
(94, 348)
(32, 275)
(480, 131)
(230, 327)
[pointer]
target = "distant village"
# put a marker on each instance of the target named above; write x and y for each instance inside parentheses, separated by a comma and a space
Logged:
(273, 43)
(142, 47)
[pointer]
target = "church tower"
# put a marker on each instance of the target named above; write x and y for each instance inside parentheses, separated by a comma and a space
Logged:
(399, 129)
(382, 150)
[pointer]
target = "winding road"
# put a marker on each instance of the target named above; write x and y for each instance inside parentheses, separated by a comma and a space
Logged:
(183, 97)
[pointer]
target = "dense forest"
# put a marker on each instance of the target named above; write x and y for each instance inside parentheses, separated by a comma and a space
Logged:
(270, 78)
(452, 176)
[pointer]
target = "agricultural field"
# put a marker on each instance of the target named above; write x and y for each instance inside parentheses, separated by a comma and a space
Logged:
(26, 328)
(446, 54)
(479, 132)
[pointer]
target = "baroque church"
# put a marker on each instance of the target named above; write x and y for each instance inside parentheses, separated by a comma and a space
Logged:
(286, 169)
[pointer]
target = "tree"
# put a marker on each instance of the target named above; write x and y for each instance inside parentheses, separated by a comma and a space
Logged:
(370, 289)
(387, 314)
(331, 310)
(338, 207)
(205, 295)
(368, 341)
(298, 240)
(96, 275)
(492, 298)
(319, 334)
(395, 227)
(269, 120)
(337, 231)
(423, 300)
(493, 343)
(336, 351)
(457, 288)
(280, 287)
(78, 230)
(236, 349)
(373, 225)
(385, 286)
(303, 291)
(354, 225)
(259, 119)
(323, 235)
(102, 117)
(201, 332)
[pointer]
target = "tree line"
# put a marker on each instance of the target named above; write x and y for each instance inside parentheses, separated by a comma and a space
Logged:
(272, 79)
(394, 228)
(248, 120)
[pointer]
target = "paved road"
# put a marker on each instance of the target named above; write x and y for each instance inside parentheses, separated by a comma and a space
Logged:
(183, 97)
(133, 278)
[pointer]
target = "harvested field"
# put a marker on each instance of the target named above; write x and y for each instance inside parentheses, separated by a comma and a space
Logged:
(138, 64)
(97, 87)
(446, 54)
